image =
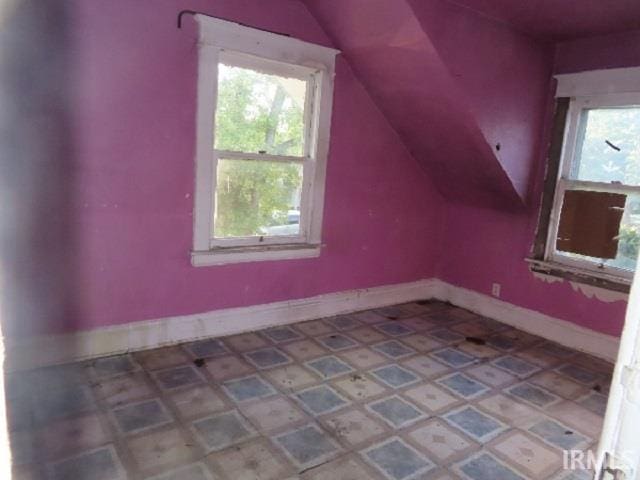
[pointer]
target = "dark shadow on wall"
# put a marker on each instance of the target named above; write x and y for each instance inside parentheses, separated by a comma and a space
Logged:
(37, 175)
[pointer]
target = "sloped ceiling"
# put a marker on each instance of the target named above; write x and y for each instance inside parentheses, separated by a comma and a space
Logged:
(466, 95)
(557, 20)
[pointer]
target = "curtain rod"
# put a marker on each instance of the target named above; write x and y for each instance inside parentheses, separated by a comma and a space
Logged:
(192, 12)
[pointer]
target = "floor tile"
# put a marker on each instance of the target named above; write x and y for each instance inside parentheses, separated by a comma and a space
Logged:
(321, 400)
(197, 402)
(359, 387)
(516, 366)
(432, 398)
(445, 335)
(70, 435)
(463, 385)
(363, 358)
(534, 395)
(486, 467)
(194, 471)
(396, 460)
(292, 377)
(354, 427)
(577, 416)
(491, 375)
(395, 376)
(477, 425)
(417, 323)
(122, 389)
(268, 358)
(140, 416)
(161, 358)
(579, 374)
(314, 328)
(307, 446)
(98, 464)
(595, 402)
(281, 334)
(110, 366)
(343, 468)
(65, 402)
(392, 312)
(367, 335)
(222, 430)
(343, 322)
(395, 411)
(304, 350)
(422, 343)
(246, 342)
(426, 366)
(478, 351)
(248, 388)
(370, 317)
(228, 367)
(394, 329)
(559, 384)
(453, 357)
(164, 448)
(176, 377)
(329, 367)
(510, 411)
(558, 435)
(531, 457)
(272, 413)
(393, 349)
(514, 400)
(440, 441)
(255, 460)
(211, 347)
(337, 342)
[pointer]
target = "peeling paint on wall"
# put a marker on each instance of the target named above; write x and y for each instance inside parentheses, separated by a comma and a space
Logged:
(601, 294)
(547, 278)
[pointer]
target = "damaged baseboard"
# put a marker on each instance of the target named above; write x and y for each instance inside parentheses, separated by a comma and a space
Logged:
(55, 349)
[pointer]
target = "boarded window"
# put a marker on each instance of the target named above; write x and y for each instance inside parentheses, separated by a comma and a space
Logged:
(590, 223)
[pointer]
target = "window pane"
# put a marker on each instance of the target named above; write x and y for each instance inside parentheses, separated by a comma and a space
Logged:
(628, 238)
(610, 149)
(257, 112)
(257, 198)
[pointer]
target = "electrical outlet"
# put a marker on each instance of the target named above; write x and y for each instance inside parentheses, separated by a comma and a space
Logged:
(495, 290)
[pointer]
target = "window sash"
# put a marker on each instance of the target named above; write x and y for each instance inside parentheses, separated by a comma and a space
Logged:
(257, 240)
(566, 180)
(308, 160)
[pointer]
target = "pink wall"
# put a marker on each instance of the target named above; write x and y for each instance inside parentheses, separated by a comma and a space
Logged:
(130, 177)
(499, 242)
(133, 114)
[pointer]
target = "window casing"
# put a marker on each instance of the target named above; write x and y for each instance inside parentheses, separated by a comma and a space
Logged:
(306, 71)
(589, 96)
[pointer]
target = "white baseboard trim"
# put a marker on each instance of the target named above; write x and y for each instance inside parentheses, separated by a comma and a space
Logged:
(55, 349)
(143, 335)
(560, 331)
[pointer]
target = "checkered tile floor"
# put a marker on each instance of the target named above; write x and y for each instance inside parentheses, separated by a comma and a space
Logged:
(395, 393)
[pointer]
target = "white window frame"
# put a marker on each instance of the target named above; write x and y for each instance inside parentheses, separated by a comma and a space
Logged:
(226, 42)
(589, 90)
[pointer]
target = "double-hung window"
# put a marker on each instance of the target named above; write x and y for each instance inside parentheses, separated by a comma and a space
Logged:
(593, 225)
(264, 109)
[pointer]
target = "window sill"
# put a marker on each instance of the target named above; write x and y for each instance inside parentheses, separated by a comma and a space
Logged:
(228, 255)
(573, 274)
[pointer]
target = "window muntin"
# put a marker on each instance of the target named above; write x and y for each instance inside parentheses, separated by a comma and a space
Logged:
(608, 147)
(606, 128)
(262, 135)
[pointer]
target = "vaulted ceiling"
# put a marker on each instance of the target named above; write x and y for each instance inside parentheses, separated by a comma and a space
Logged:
(466, 95)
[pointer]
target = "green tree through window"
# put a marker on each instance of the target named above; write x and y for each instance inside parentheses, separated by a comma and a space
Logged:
(256, 113)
